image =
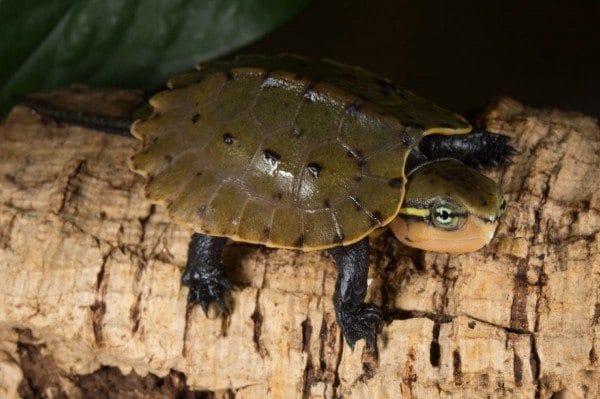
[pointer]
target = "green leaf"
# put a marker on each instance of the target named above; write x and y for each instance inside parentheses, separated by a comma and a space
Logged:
(127, 43)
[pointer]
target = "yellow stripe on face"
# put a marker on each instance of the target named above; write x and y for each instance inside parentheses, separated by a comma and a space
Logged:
(418, 212)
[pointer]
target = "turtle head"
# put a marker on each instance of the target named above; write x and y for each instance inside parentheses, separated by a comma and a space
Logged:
(448, 207)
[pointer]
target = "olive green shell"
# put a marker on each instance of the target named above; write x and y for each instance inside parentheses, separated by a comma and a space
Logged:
(283, 151)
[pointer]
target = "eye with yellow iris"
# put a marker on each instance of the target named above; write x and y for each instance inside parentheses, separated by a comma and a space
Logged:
(445, 216)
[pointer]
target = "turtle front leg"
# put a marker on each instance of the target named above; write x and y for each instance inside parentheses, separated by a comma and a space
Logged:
(203, 274)
(356, 318)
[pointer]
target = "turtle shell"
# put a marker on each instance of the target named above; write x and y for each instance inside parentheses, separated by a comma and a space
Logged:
(283, 151)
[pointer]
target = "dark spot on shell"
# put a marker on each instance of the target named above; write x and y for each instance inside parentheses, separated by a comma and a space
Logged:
(270, 81)
(266, 231)
(338, 238)
(309, 93)
(228, 75)
(383, 82)
(407, 140)
(361, 162)
(376, 216)
(447, 125)
(278, 195)
(314, 169)
(358, 154)
(327, 203)
(357, 178)
(353, 109)
(195, 118)
(386, 86)
(483, 203)
(299, 241)
(202, 211)
(357, 204)
(228, 138)
(297, 132)
(271, 157)
(401, 94)
(168, 158)
(198, 173)
(397, 182)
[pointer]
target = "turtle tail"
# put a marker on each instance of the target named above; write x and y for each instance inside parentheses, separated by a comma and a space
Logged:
(105, 123)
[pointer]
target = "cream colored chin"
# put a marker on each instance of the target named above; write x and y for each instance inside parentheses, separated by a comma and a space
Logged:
(472, 235)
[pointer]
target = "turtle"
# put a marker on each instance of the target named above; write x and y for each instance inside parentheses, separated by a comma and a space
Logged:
(303, 154)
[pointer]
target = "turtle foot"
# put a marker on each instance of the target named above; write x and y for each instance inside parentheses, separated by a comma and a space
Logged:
(206, 287)
(358, 322)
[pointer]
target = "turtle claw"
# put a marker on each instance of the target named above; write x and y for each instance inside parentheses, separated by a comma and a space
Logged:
(358, 322)
(207, 287)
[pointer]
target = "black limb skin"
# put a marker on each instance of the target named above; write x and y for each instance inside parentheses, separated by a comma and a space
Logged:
(356, 318)
(479, 149)
(104, 123)
(203, 274)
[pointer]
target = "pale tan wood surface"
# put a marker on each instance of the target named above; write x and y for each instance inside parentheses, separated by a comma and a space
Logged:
(90, 277)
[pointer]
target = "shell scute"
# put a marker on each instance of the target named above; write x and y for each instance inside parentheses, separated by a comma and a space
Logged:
(286, 227)
(254, 221)
(319, 228)
(352, 217)
(224, 210)
(231, 148)
(165, 186)
(237, 93)
(278, 101)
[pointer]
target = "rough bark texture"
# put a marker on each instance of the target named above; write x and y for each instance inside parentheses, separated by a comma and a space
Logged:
(91, 302)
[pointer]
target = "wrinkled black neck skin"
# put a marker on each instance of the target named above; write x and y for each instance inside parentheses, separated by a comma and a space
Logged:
(478, 149)
(204, 276)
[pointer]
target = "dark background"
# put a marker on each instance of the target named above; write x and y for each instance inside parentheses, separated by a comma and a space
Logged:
(463, 53)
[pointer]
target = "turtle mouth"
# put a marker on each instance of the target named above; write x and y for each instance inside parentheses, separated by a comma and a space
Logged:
(472, 235)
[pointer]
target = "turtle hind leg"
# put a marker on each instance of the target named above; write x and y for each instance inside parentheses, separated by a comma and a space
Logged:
(356, 318)
(203, 274)
(478, 149)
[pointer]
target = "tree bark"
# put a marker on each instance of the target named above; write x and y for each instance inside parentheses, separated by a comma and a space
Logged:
(90, 283)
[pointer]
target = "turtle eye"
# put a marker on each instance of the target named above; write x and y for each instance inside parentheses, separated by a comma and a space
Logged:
(445, 217)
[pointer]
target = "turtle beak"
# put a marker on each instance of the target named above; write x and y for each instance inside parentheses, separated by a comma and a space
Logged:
(473, 234)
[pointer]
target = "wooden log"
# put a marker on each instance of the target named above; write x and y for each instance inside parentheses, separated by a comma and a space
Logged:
(91, 300)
